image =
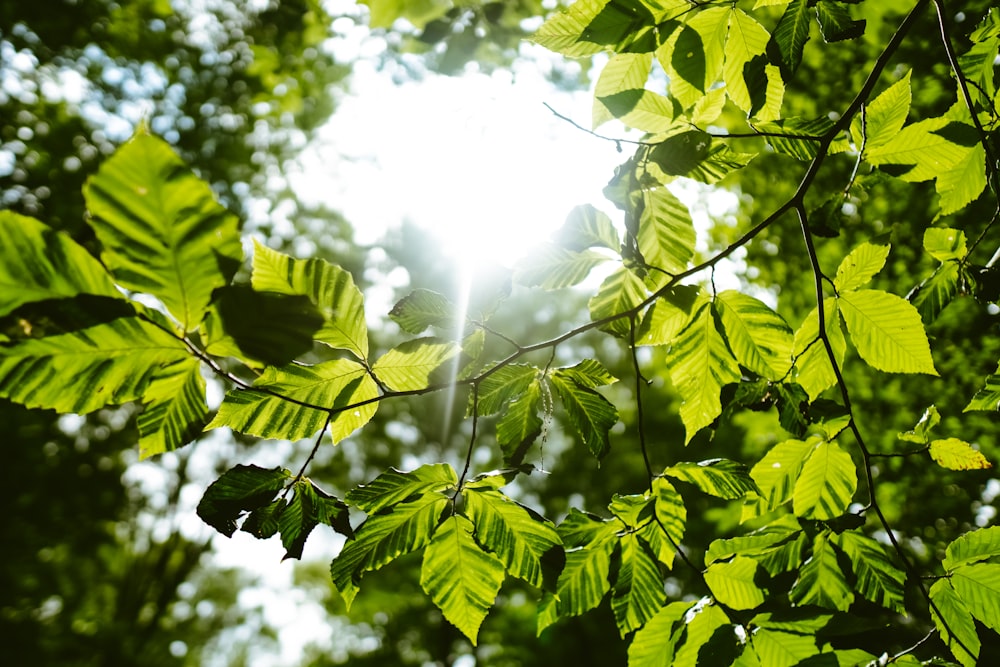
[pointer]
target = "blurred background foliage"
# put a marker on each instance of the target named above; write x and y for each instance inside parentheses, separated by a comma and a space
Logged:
(101, 565)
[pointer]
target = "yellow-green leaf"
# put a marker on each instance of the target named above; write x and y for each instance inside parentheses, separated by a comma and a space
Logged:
(733, 583)
(887, 331)
(956, 454)
(827, 483)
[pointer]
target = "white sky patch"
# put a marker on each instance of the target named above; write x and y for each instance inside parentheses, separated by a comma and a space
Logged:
(477, 160)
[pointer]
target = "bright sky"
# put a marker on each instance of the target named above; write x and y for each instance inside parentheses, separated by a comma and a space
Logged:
(477, 159)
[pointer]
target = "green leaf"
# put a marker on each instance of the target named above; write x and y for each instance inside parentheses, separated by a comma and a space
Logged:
(619, 293)
(760, 339)
(860, 266)
(972, 547)
(746, 41)
(666, 234)
(384, 537)
(415, 364)
(500, 387)
(835, 22)
(920, 146)
(955, 623)
(273, 407)
(732, 583)
(944, 243)
(962, 184)
(623, 72)
(584, 579)
(423, 308)
(395, 486)
(887, 332)
(106, 364)
(777, 547)
(668, 316)
(718, 477)
(271, 327)
(655, 643)
(813, 370)
(820, 580)
(827, 483)
(938, 290)
(792, 33)
(987, 398)
(678, 155)
(161, 230)
(520, 425)
(665, 534)
(638, 590)
(175, 412)
(591, 414)
(804, 145)
(526, 543)
(878, 578)
(330, 288)
(460, 578)
(588, 227)
(955, 454)
(553, 267)
(978, 586)
(588, 373)
(709, 638)
(778, 471)
(309, 507)
(782, 649)
(700, 365)
(40, 263)
(885, 116)
(239, 490)
(563, 32)
(928, 421)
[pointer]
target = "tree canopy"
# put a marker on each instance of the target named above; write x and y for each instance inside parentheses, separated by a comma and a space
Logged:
(798, 471)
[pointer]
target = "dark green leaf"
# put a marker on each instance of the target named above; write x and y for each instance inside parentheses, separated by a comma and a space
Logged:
(792, 34)
(590, 413)
(239, 490)
(878, 578)
(679, 154)
(717, 477)
(836, 23)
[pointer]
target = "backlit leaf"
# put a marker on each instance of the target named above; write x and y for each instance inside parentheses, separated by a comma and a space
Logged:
(920, 146)
(588, 227)
(775, 648)
(329, 287)
(972, 547)
(732, 583)
(821, 582)
(563, 32)
(655, 643)
(978, 586)
(813, 370)
(668, 316)
(395, 486)
(718, 477)
(956, 454)
(885, 116)
(423, 308)
(747, 39)
(778, 471)
(835, 22)
(955, 623)
(935, 292)
(987, 398)
(962, 184)
(591, 413)
(619, 293)
(758, 336)
(860, 266)
(777, 547)
(879, 579)
(265, 411)
(638, 591)
(944, 243)
(175, 412)
(106, 364)
(520, 425)
(700, 365)
(553, 267)
(792, 33)
(826, 484)
(161, 229)
(414, 364)
(40, 263)
(525, 542)
(666, 234)
(461, 578)
(584, 579)
(506, 383)
(384, 537)
(887, 332)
